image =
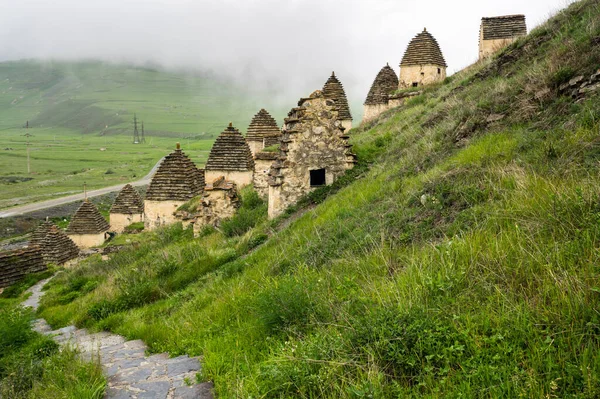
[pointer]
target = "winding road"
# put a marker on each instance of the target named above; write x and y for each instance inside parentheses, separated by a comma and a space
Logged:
(36, 206)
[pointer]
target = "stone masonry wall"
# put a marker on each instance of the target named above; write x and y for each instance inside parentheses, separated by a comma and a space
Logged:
(160, 213)
(489, 47)
(84, 241)
(16, 264)
(241, 179)
(373, 111)
(422, 74)
(119, 221)
(312, 139)
(262, 165)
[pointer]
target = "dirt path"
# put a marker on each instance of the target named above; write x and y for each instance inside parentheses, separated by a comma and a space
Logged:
(36, 206)
(131, 373)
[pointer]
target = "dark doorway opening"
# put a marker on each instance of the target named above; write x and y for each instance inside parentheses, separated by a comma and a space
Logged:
(317, 177)
(415, 84)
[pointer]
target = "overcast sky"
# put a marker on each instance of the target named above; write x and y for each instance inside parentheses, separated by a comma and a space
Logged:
(293, 45)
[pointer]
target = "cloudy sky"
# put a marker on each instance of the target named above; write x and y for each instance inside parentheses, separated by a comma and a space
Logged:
(292, 45)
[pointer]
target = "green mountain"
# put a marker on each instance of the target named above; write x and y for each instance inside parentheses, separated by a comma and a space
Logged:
(459, 259)
(101, 98)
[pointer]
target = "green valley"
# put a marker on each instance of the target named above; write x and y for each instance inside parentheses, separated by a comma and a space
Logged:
(80, 119)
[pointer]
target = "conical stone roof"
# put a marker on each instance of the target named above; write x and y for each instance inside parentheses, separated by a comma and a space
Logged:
(128, 202)
(334, 90)
(57, 247)
(384, 84)
(504, 27)
(40, 233)
(230, 152)
(176, 179)
(262, 126)
(423, 50)
(87, 220)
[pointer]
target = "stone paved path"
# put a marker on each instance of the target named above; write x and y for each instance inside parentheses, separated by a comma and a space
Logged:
(131, 373)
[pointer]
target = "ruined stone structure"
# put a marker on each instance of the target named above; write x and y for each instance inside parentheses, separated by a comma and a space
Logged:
(230, 157)
(498, 32)
(262, 164)
(262, 132)
(423, 62)
(58, 248)
(16, 264)
(334, 90)
(128, 208)
(176, 181)
(314, 152)
(88, 227)
(378, 99)
(220, 201)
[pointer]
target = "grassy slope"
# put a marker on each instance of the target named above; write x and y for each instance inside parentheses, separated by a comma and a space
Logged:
(74, 109)
(31, 365)
(464, 263)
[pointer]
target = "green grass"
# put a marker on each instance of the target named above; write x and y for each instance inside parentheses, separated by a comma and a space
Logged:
(76, 109)
(32, 366)
(459, 259)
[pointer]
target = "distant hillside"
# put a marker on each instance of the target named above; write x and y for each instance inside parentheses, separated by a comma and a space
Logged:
(80, 118)
(99, 98)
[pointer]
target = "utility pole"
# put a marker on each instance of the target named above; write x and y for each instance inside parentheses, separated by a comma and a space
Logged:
(143, 137)
(27, 135)
(136, 134)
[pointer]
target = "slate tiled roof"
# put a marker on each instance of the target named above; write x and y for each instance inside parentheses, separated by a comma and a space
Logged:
(176, 179)
(504, 27)
(57, 247)
(230, 152)
(16, 264)
(423, 50)
(334, 90)
(87, 220)
(262, 126)
(384, 84)
(39, 234)
(128, 202)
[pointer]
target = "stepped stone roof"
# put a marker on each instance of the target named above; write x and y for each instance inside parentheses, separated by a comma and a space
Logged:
(504, 27)
(384, 84)
(423, 50)
(17, 263)
(128, 202)
(40, 233)
(87, 220)
(57, 247)
(262, 126)
(230, 152)
(334, 90)
(176, 179)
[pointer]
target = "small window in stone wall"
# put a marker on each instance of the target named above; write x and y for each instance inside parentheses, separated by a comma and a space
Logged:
(317, 177)
(439, 71)
(415, 84)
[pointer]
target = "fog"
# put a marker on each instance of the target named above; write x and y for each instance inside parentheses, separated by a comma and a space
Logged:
(289, 45)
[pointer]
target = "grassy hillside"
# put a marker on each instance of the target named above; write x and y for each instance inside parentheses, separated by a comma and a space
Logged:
(31, 364)
(75, 109)
(460, 258)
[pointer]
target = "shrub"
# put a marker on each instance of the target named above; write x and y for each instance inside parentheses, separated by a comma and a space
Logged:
(252, 211)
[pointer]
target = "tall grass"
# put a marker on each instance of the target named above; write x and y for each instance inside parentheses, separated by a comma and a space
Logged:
(31, 366)
(459, 261)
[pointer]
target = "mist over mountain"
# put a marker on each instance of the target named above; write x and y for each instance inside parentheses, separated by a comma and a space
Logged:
(288, 47)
